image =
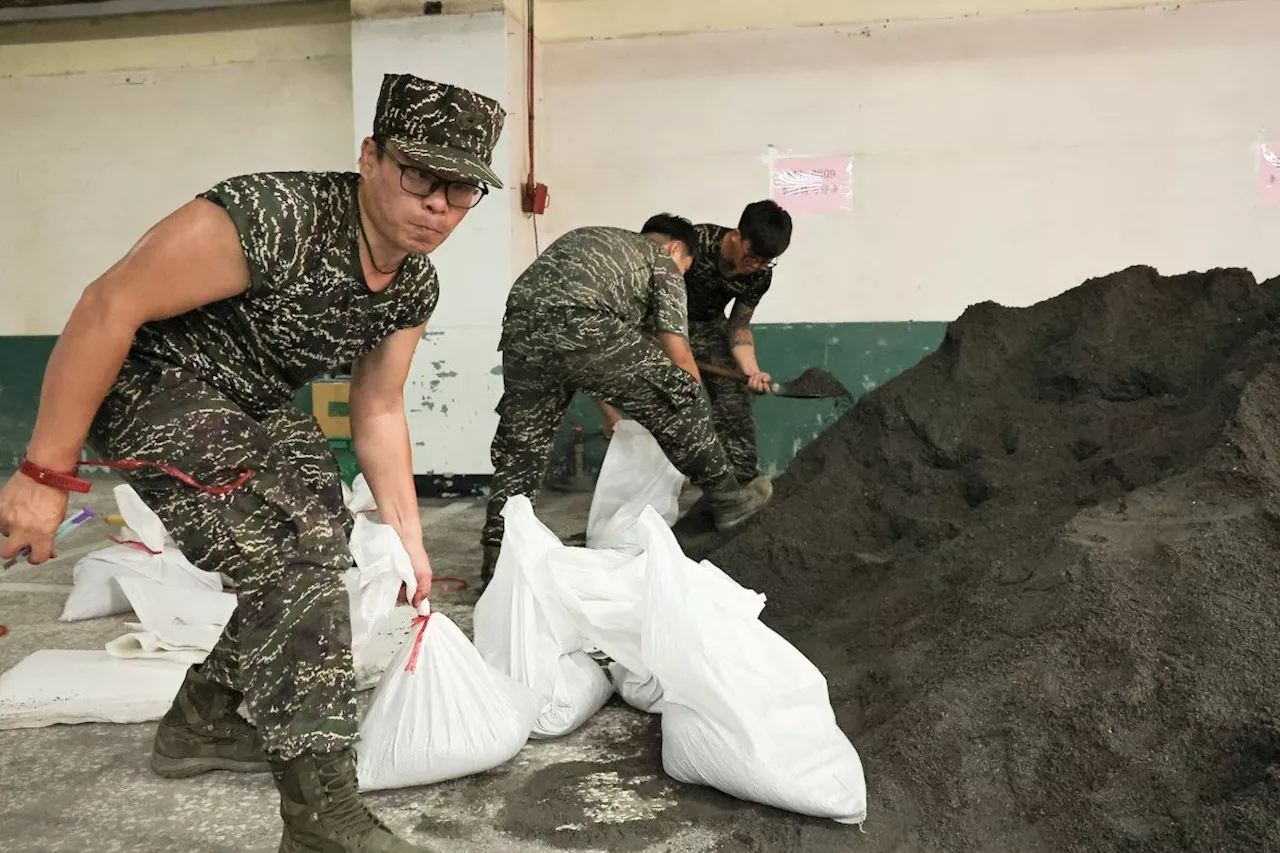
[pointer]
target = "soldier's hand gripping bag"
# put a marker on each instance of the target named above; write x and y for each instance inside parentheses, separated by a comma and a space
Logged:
(440, 712)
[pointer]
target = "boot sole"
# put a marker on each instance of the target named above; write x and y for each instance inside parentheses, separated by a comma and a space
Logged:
(182, 768)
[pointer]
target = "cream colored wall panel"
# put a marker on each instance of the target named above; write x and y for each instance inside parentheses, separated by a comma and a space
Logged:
(571, 20)
(190, 40)
(91, 161)
(1003, 159)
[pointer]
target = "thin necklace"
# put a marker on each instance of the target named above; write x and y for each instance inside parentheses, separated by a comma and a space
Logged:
(372, 260)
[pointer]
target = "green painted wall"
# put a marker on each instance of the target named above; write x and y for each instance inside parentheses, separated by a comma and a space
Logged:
(22, 361)
(861, 355)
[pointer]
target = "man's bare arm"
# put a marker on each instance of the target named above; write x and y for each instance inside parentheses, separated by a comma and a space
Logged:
(742, 343)
(189, 259)
(381, 435)
(677, 349)
(381, 431)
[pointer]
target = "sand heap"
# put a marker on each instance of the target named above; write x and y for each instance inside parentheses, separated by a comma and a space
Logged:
(1041, 571)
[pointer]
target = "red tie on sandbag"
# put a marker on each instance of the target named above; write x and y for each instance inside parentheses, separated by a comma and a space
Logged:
(421, 622)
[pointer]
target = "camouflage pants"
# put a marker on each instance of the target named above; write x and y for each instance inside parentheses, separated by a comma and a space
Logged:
(732, 402)
(282, 538)
(604, 359)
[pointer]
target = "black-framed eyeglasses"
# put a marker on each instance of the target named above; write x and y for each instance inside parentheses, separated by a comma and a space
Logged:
(759, 262)
(418, 181)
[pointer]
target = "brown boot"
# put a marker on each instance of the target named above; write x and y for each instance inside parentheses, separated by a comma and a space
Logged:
(490, 562)
(732, 506)
(203, 731)
(322, 810)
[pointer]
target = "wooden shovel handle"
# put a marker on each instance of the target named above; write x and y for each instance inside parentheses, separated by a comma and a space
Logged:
(726, 372)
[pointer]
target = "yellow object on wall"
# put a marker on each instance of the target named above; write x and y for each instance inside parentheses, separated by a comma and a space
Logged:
(331, 405)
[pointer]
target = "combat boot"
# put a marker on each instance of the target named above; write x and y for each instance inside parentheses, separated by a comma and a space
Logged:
(490, 562)
(202, 731)
(323, 812)
(732, 504)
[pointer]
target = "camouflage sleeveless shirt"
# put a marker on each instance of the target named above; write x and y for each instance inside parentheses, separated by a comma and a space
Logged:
(307, 310)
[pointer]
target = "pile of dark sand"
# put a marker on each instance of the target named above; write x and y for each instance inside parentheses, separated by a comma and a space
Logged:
(1041, 571)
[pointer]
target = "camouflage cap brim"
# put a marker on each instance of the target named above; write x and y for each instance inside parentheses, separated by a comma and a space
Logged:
(449, 162)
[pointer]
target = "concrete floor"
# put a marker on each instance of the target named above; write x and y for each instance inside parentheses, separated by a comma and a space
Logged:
(87, 787)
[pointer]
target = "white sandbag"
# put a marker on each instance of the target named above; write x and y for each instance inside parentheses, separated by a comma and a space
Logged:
(523, 630)
(53, 687)
(185, 645)
(95, 593)
(175, 624)
(158, 606)
(603, 592)
(141, 523)
(382, 566)
(641, 693)
(635, 474)
(440, 712)
(371, 658)
(744, 711)
(358, 498)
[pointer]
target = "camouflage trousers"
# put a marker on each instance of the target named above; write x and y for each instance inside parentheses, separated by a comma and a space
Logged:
(281, 537)
(732, 402)
(598, 356)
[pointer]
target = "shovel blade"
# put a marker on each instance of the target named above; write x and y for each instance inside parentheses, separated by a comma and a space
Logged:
(814, 383)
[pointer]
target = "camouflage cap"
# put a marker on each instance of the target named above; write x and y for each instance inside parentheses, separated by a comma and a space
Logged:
(445, 128)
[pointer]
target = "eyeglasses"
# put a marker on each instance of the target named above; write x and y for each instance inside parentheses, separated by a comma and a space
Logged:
(418, 181)
(759, 262)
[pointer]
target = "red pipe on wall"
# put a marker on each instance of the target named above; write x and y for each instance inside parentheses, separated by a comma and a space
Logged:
(535, 194)
(529, 23)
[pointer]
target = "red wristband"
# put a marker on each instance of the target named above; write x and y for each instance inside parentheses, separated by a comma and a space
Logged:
(65, 480)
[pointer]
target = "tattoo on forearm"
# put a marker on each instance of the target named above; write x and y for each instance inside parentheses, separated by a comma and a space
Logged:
(740, 326)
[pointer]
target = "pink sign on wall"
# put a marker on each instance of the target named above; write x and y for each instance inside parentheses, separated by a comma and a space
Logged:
(813, 184)
(1269, 174)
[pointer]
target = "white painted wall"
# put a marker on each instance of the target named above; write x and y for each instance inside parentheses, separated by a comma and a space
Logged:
(1005, 159)
(88, 162)
(454, 383)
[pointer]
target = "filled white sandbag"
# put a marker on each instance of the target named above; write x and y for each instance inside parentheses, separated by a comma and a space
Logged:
(644, 693)
(94, 591)
(635, 474)
(382, 566)
(440, 712)
(522, 628)
(53, 687)
(603, 592)
(371, 657)
(743, 710)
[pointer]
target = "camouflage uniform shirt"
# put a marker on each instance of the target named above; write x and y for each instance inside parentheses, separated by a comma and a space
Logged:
(710, 291)
(307, 310)
(607, 272)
